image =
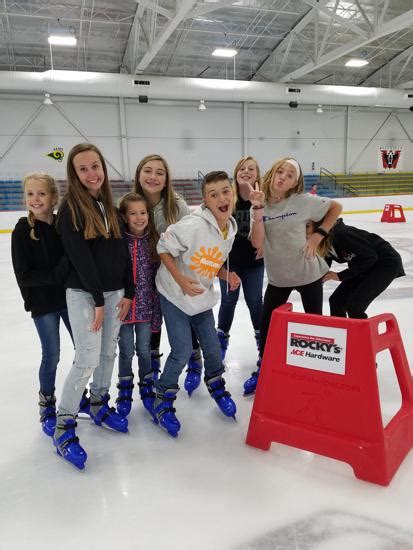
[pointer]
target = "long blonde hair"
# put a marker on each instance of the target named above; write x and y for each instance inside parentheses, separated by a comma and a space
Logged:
(236, 170)
(81, 203)
(168, 194)
(266, 184)
(51, 186)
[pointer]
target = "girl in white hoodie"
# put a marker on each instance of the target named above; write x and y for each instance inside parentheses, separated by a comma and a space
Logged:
(193, 252)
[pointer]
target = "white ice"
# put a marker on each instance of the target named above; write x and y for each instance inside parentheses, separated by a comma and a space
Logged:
(205, 489)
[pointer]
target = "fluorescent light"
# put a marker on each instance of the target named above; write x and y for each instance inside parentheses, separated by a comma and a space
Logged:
(224, 52)
(62, 40)
(356, 62)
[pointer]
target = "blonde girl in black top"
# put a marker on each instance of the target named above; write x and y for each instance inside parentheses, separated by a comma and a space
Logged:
(39, 266)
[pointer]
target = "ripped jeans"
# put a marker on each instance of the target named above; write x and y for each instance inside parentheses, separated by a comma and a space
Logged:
(95, 352)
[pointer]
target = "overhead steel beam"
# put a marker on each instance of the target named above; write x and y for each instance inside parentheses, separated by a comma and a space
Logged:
(398, 23)
(286, 41)
(408, 52)
(184, 8)
(332, 15)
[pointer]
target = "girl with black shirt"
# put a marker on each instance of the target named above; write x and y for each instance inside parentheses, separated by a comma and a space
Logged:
(39, 266)
(99, 290)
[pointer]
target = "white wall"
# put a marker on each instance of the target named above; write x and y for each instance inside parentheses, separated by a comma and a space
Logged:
(350, 205)
(191, 140)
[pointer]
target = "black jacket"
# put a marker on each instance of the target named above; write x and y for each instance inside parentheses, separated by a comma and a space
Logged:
(360, 249)
(97, 265)
(39, 266)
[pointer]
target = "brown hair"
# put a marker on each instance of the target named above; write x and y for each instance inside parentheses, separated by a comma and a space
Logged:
(212, 177)
(266, 184)
(50, 183)
(152, 233)
(168, 194)
(81, 203)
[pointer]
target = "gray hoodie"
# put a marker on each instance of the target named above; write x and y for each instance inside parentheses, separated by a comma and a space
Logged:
(200, 250)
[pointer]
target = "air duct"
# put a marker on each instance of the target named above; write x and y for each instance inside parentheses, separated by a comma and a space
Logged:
(79, 83)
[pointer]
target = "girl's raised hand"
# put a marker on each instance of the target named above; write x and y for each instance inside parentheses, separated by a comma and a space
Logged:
(256, 197)
(98, 320)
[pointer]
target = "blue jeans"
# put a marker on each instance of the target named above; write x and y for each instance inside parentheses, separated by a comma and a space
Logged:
(95, 352)
(178, 326)
(48, 329)
(128, 345)
(252, 279)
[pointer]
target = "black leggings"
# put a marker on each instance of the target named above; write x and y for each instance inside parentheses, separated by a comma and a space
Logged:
(352, 297)
(311, 296)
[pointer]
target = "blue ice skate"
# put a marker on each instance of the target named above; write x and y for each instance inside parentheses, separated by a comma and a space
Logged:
(84, 405)
(101, 413)
(216, 388)
(47, 410)
(223, 338)
(124, 399)
(156, 363)
(250, 385)
(147, 394)
(193, 372)
(68, 446)
(165, 412)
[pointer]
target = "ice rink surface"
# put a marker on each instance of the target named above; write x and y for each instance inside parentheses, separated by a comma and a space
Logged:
(206, 489)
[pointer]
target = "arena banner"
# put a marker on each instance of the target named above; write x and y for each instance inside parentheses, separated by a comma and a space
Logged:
(390, 159)
(315, 347)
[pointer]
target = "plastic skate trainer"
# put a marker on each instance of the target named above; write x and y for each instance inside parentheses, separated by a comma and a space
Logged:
(318, 391)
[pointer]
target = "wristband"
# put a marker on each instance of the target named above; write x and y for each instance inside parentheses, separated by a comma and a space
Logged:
(321, 231)
(257, 207)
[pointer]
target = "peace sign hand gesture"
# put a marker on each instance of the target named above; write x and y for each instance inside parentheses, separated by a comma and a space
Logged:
(256, 197)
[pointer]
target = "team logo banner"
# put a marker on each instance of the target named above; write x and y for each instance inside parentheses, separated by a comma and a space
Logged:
(390, 159)
(318, 348)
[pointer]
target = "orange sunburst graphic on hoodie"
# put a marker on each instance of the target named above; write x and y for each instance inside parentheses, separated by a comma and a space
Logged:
(208, 262)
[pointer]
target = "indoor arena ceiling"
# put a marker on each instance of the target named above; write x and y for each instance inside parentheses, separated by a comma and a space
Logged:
(305, 41)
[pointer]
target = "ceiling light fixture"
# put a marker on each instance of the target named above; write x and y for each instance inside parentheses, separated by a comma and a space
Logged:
(62, 40)
(319, 109)
(47, 99)
(356, 62)
(201, 106)
(224, 52)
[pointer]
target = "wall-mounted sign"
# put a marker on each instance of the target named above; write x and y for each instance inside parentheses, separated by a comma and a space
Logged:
(390, 159)
(57, 154)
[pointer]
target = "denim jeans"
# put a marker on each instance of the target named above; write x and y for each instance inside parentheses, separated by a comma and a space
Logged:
(252, 279)
(178, 326)
(135, 337)
(48, 329)
(95, 352)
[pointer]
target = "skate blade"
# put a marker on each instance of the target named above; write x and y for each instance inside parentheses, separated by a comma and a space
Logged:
(80, 467)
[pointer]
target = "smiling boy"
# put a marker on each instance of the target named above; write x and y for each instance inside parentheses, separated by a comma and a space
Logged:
(193, 252)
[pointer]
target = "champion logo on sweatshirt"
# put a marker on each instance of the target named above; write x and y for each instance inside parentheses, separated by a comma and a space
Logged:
(207, 262)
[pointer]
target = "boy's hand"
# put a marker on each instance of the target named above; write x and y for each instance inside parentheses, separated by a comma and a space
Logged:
(123, 307)
(256, 197)
(330, 276)
(233, 280)
(189, 286)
